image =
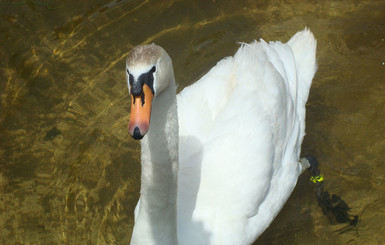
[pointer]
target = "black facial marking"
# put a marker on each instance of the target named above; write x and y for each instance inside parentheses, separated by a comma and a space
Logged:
(136, 87)
(145, 78)
(142, 99)
(131, 79)
(148, 78)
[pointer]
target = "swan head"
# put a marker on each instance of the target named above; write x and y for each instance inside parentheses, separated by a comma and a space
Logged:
(148, 75)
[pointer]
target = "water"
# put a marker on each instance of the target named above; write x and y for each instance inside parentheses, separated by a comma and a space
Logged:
(70, 173)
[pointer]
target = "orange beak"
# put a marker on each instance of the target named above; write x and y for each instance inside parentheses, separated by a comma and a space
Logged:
(140, 113)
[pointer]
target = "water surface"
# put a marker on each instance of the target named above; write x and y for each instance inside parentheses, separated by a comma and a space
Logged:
(70, 173)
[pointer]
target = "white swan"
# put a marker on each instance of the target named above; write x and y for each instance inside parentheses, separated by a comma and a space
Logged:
(239, 130)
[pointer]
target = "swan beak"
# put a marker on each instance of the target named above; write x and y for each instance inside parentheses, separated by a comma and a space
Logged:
(140, 113)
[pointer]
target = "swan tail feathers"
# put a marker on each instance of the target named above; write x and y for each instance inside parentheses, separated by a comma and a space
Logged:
(304, 47)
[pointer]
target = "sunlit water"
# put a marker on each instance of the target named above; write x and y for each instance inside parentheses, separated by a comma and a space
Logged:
(70, 173)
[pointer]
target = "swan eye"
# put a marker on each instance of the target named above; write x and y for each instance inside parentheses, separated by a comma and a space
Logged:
(153, 69)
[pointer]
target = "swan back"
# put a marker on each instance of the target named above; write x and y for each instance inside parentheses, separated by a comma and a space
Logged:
(240, 140)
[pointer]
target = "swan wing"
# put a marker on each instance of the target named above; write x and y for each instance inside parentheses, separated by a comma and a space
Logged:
(241, 126)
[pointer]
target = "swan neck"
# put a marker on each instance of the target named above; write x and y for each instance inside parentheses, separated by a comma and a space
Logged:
(157, 213)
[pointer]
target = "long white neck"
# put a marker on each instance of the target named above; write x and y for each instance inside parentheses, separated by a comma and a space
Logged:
(156, 220)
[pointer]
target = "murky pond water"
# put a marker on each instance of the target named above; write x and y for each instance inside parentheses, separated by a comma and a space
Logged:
(70, 173)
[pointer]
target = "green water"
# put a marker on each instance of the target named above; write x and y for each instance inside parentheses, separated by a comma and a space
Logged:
(70, 173)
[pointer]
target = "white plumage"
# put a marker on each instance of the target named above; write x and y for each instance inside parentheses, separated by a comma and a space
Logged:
(241, 127)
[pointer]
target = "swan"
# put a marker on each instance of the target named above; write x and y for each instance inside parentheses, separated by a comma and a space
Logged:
(221, 158)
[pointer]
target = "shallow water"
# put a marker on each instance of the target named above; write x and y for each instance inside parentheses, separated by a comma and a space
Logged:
(70, 173)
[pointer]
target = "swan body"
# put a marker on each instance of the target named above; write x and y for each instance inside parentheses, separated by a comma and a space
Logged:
(220, 159)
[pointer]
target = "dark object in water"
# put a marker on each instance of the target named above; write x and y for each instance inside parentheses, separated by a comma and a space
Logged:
(333, 207)
(51, 134)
